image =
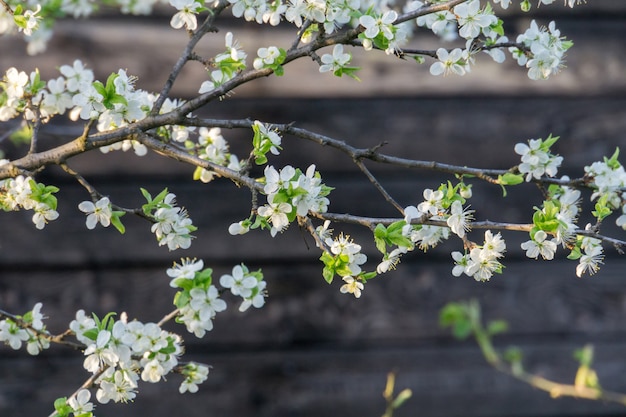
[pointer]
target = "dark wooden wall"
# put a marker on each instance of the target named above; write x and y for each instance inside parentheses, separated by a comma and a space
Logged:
(312, 351)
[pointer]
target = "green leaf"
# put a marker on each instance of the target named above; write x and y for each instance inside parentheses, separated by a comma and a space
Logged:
(91, 334)
(146, 195)
(548, 142)
(20, 21)
(584, 355)
(368, 275)
(61, 407)
(612, 162)
(456, 315)
(497, 327)
(513, 354)
(349, 71)
(510, 179)
(575, 254)
(462, 329)
(116, 222)
(328, 274)
(99, 87)
(380, 235)
(22, 135)
(498, 27)
(181, 299)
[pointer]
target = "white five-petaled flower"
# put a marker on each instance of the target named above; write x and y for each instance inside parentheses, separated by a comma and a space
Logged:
(266, 56)
(449, 62)
(80, 403)
(275, 180)
(352, 286)
(257, 300)
(186, 270)
(99, 353)
(186, 15)
(592, 256)
(540, 246)
(195, 374)
(206, 302)
(374, 26)
(432, 202)
(12, 334)
(460, 263)
(239, 283)
(336, 61)
(100, 212)
(472, 20)
(459, 219)
(78, 77)
(43, 213)
(276, 213)
(15, 83)
(32, 20)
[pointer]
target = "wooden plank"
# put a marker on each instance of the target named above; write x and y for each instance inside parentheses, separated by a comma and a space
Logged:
(542, 300)
(476, 131)
(67, 242)
(446, 381)
(596, 63)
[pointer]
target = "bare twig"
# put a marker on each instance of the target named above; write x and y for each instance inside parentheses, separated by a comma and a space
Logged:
(43, 334)
(186, 56)
(7, 7)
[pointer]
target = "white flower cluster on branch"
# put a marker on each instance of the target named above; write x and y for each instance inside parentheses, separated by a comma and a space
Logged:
(115, 115)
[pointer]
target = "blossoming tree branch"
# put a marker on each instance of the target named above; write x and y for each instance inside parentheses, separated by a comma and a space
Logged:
(115, 115)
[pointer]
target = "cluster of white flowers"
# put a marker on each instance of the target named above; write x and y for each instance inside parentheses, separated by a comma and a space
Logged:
(544, 47)
(379, 25)
(194, 374)
(123, 352)
(12, 334)
(609, 180)
(199, 300)
(172, 226)
(537, 160)
(559, 214)
(482, 261)
(214, 148)
(443, 23)
(113, 105)
(24, 193)
(435, 207)
(456, 216)
(345, 248)
(203, 301)
(203, 305)
(547, 47)
(569, 207)
(290, 192)
(228, 64)
(591, 256)
(26, 17)
(250, 286)
(332, 13)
